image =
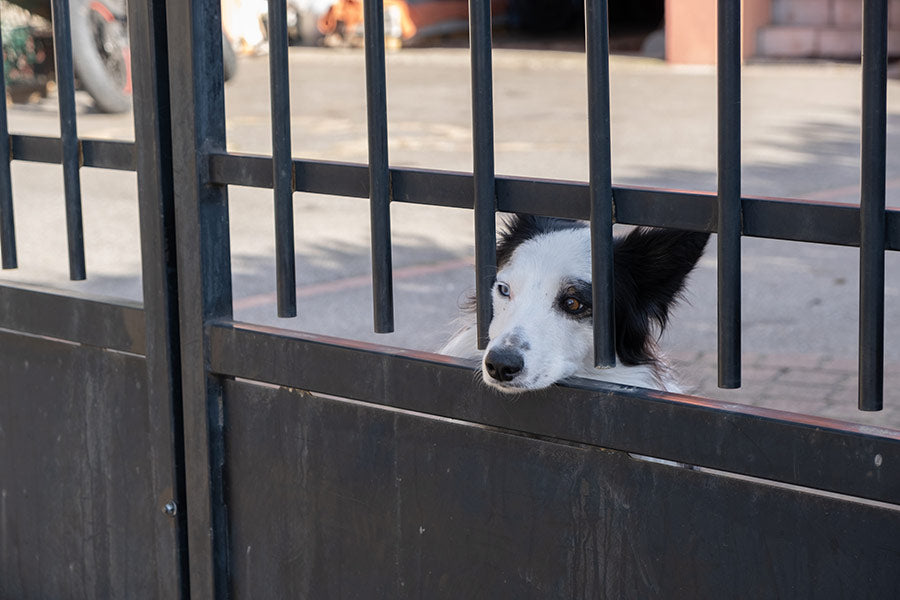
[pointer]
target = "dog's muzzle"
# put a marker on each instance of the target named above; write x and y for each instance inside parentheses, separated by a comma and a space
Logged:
(503, 364)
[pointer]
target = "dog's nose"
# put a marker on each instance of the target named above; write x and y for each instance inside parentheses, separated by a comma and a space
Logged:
(503, 364)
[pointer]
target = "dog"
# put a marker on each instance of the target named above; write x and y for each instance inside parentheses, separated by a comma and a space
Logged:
(541, 331)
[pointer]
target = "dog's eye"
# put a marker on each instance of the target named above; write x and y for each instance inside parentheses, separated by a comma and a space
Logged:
(573, 305)
(503, 289)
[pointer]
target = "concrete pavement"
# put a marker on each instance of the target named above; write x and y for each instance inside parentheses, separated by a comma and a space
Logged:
(801, 133)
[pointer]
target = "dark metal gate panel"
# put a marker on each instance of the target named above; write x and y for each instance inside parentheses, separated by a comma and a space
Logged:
(73, 317)
(795, 449)
(351, 500)
(91, 445)
(79, 515)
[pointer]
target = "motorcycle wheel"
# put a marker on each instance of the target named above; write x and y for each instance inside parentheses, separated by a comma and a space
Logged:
(101, 54)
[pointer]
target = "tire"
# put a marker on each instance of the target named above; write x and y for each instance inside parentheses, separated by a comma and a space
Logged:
(100, 52)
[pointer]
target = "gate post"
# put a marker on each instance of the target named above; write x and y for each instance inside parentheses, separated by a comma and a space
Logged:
(153, 150)
(204, 275)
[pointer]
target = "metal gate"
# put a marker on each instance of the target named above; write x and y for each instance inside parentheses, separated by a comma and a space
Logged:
(165, 450)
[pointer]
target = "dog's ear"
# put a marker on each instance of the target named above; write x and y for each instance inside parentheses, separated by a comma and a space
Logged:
(519, 228)
(650, 270)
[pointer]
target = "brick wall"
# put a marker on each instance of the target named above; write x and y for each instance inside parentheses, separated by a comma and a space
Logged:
(821, 29)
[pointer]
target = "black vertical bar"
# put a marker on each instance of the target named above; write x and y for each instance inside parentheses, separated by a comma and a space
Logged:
(872, 196)
(282, 168)
(729, 193)
(483, 164)
(71, 146)
(7, 223)
(600, 164)
(153, 145)
(379, 176)
(204, 276)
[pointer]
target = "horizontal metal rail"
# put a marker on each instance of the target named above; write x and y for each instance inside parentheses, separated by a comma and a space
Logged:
(74, 317)
(800, 450)
(791, 219)
(102, 154)
(772, 218)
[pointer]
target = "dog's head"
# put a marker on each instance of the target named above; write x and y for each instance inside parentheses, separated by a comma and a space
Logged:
(541, 331)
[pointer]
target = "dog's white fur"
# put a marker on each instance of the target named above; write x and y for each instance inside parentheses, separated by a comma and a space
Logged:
(528, 321)
(557, 347)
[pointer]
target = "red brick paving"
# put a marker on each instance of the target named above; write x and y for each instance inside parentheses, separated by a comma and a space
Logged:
(812, 384)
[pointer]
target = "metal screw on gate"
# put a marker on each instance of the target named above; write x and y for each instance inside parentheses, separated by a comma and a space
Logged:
(171, 509)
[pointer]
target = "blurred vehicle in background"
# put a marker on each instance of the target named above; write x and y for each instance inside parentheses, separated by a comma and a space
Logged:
(302, 20)
(100, 50)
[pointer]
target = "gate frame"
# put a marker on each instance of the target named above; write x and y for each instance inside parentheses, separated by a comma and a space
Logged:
(204, 271)
(193, 347)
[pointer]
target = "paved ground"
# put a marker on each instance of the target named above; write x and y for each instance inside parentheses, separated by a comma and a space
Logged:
(800, 139)
(816, 384)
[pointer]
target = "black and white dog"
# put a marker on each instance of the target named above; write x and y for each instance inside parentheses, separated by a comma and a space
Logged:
(541, 331)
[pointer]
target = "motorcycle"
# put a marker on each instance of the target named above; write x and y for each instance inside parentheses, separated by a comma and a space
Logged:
(101, 54)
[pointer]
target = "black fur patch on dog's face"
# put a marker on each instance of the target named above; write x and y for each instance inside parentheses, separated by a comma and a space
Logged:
(521, 228)
(575, 300)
